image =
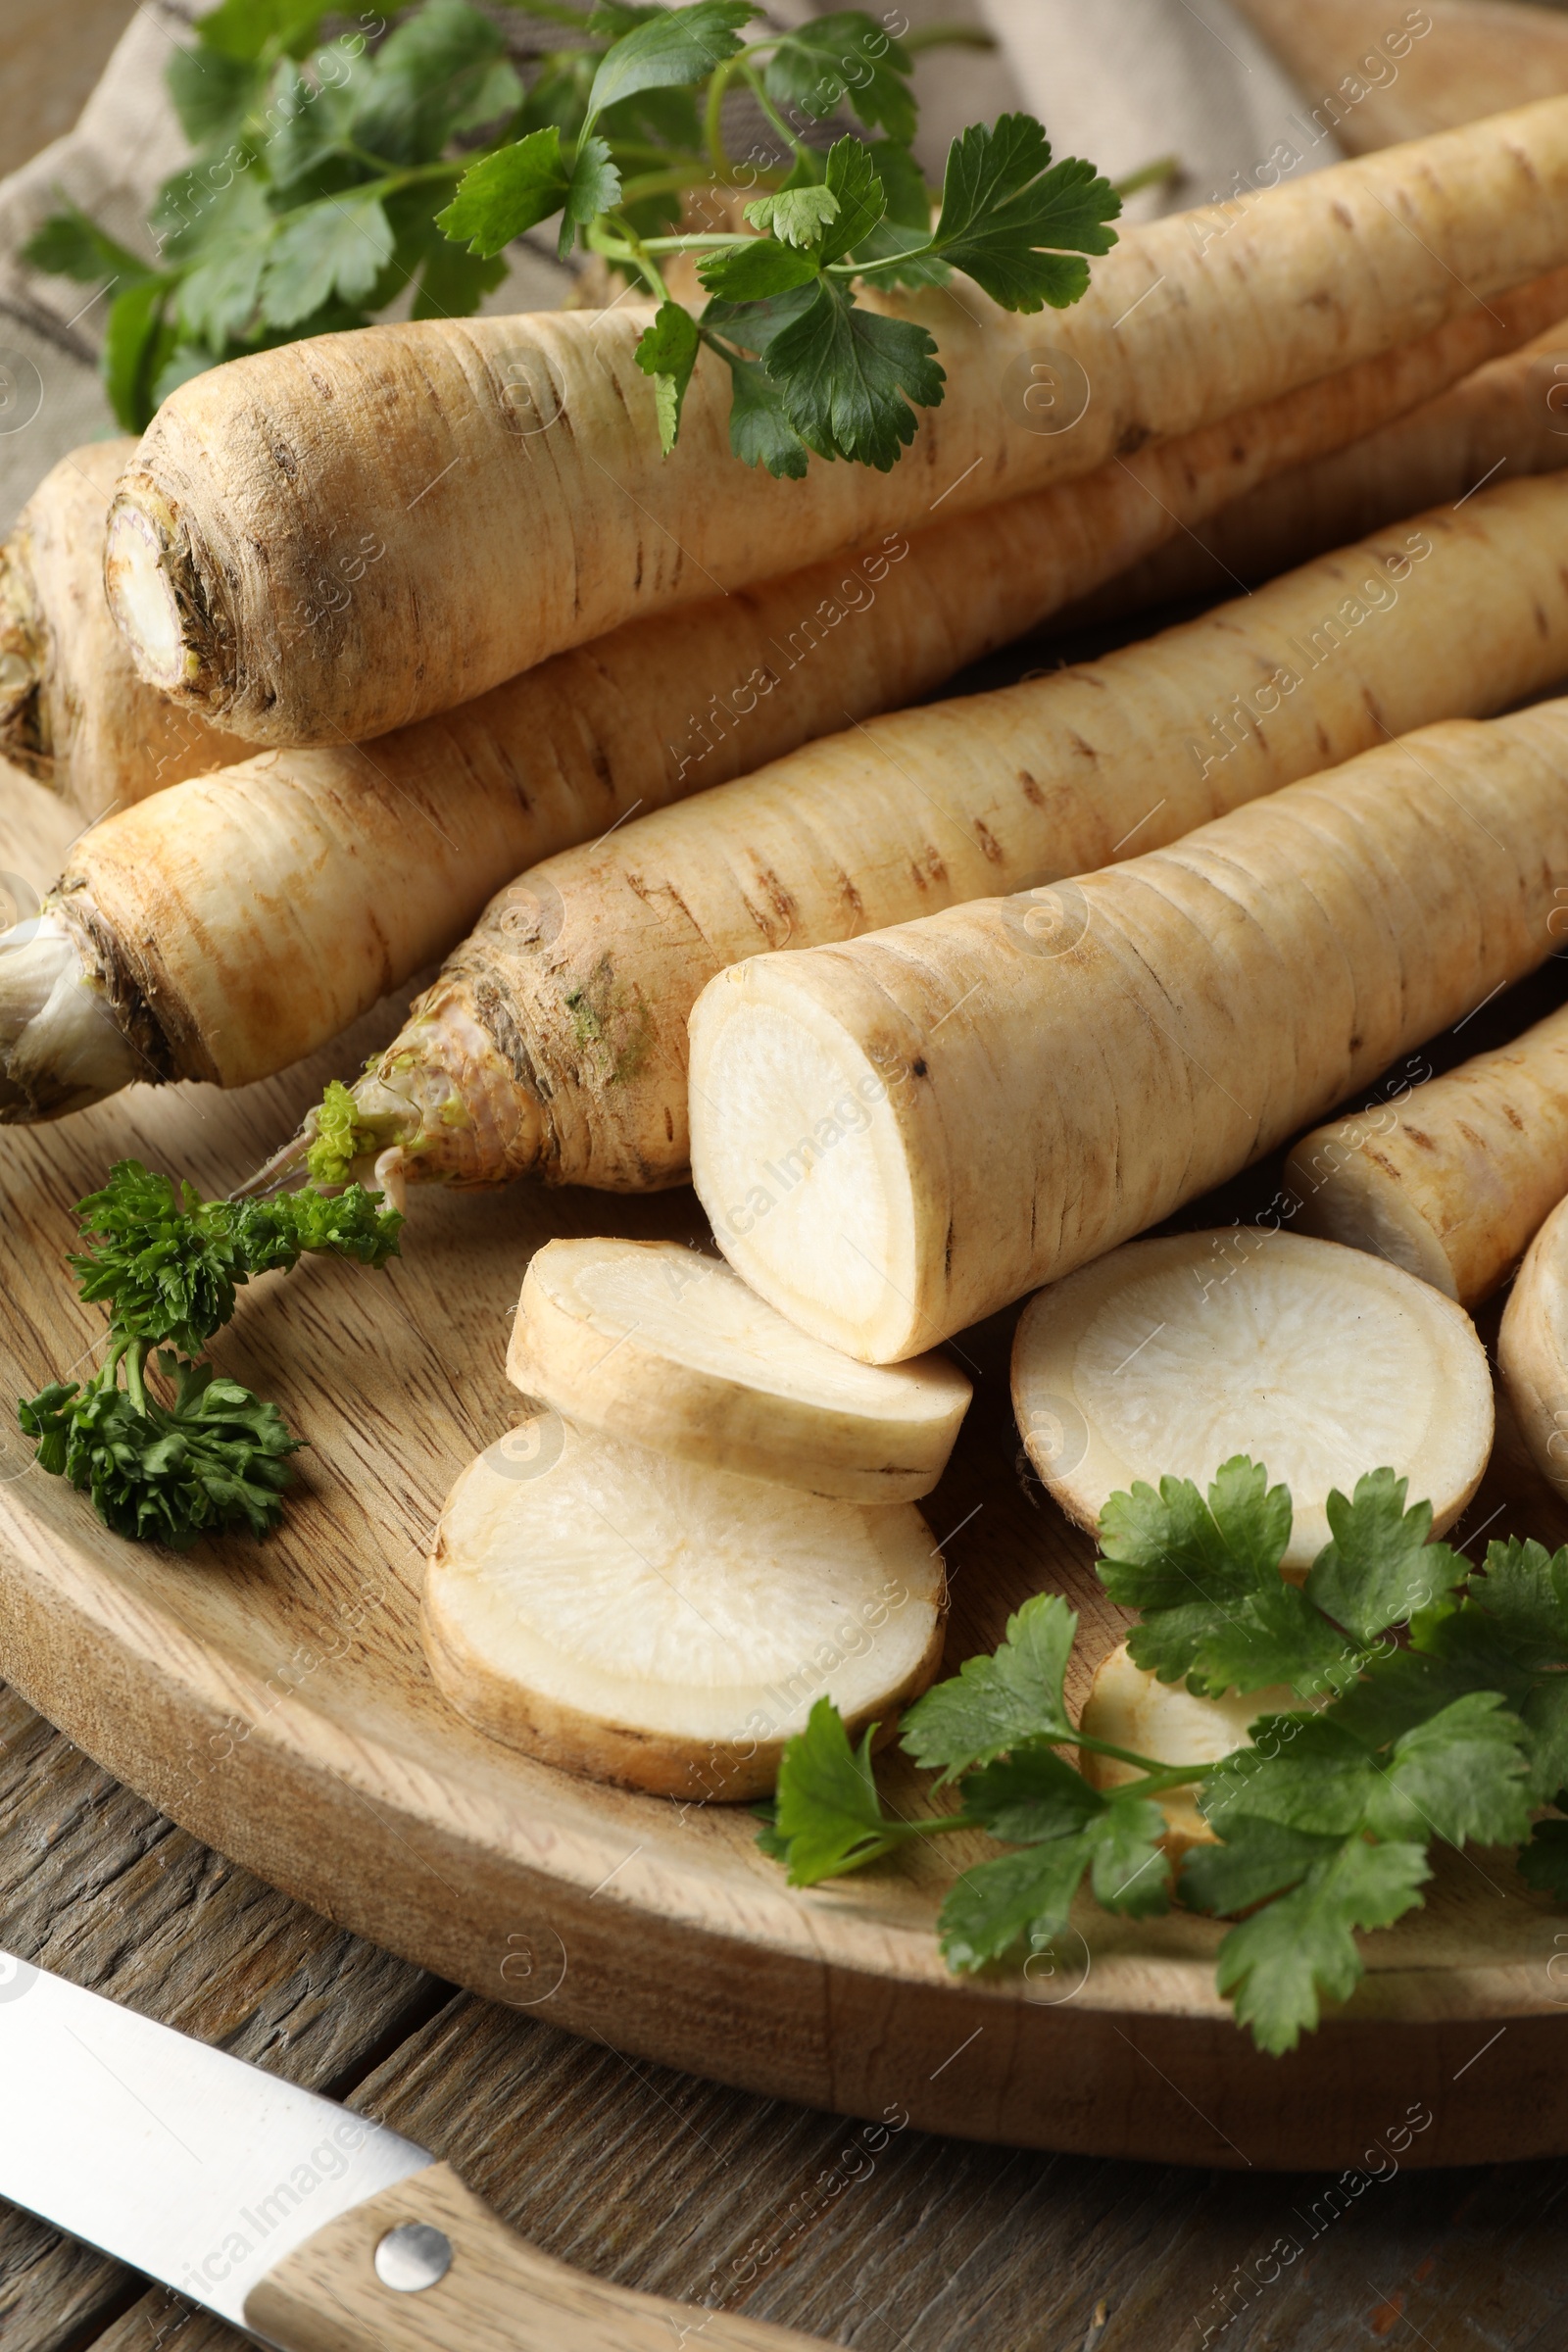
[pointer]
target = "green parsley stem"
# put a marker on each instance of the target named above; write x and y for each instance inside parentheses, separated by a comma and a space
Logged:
(1172, 1775)
(689, 244)
(1166, 168)
(381, 165)
(890, 261)
(619, 242)
(414, 176)
(670, 158)
(713, 129)
(136, 1358)
(698, 173)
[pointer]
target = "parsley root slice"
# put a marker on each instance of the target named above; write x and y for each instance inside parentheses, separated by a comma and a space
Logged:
(73, 711)
(511, 467)
(648, 1341)
(554, 1043)
(1533, 1348)
(247, 918)
(641, 1619)
(1129, 1707)
(1451, 1179)
(1502, 421)
(1168, 1357)
(1051, 1074)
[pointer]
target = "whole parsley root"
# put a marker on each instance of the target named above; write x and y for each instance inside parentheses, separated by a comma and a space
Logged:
(73, 711)
(1499, 423)
(1533, 1348)
(170, 1266)
(893, 818)
(1059, 1070)
(498, 553)
(1461, 1204)
(501, 561)
(1314, 1818)
(194, 985)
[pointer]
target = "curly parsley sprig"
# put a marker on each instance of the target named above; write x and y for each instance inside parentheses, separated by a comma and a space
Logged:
(1438, 1713)
(169, 1266)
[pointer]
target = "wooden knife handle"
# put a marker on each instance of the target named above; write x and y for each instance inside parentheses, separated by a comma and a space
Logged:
(499, 2294)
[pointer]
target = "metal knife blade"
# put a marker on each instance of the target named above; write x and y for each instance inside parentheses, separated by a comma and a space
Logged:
(190, 2165)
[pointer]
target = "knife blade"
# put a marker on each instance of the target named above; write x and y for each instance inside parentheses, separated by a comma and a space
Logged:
(311, 2228)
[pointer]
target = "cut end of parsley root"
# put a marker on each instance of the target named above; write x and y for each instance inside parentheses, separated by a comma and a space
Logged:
(1168, 1357)
(624, 1614)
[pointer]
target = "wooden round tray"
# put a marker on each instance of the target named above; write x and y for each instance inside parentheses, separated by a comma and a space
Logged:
(273, 1699)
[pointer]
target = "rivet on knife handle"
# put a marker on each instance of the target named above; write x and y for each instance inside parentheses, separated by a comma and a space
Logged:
(380, 2279)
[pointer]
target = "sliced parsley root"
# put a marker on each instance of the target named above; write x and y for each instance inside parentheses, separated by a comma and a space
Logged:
(1330, 1361)
(170, 1266)
(1315, 1819)
(636, 1617)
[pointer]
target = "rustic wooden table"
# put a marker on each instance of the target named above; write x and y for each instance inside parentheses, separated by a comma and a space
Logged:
(661, 2182)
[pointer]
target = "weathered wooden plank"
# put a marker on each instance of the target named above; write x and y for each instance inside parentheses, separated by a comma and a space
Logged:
(97, 1886)
(920, 2244)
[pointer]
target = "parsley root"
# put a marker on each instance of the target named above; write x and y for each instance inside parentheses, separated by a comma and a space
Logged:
(502, 544)
(1166, 1356)
(245, 918)
(1046, 1075)
(554, 1043)
(1453, 1178)
(73, 711)
(1533, 1348)
(649, 1341)
(1503, 420)
(622, 1613)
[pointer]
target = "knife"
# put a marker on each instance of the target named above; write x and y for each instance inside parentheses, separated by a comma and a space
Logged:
(310, 2226)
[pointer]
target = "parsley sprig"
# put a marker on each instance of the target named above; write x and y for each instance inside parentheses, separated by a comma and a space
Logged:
(812, 368)
(329, 177)
(1436, 1712)
(170, 1266)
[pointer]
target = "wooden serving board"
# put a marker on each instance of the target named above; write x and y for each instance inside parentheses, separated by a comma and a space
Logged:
(273, 1699)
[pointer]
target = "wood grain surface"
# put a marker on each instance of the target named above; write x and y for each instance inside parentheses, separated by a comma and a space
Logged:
(273, 1699)
(906, 2242)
